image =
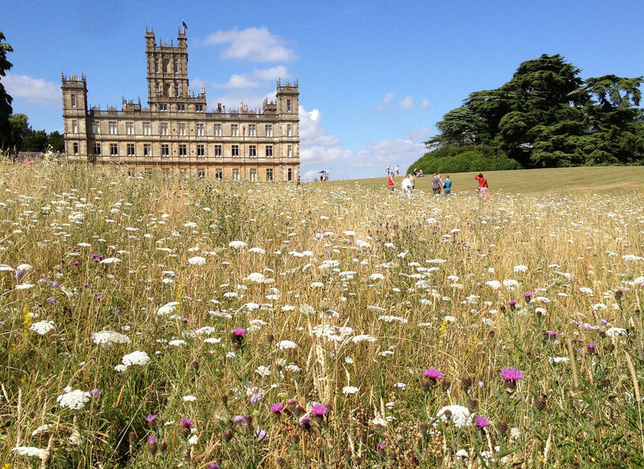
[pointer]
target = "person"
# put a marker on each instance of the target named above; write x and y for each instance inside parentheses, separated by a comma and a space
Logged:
(407, 185)
(397, 170)
(437, 183)
(390, 182)
(447, 185)
(388, 167)
(483, 187)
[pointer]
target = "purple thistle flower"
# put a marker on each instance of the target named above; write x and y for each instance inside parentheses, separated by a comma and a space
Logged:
(591, 345)
(239, 332)
(151, 418)
(552, 333)
(255, 398)
(260, 434)
(187, 423)
(433, 373)
(527, 294)
(94, 392)
(239, 419)
(511, 374)
(305, 420)
(276, 408)
(213, 466)
(152, 440)
(481, 422)
(319, 410)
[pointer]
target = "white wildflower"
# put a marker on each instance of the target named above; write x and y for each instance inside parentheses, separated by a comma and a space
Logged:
(350, 390)
(520, 268)
(189, 398)
(109, 337)
(263, 371)
(460, 416)
(120, 368)
(615, 331)
(74, 400)
(168, 308)
(197, 260)
(30, 451)
(136, 358)
(493, 284)
(286, 344)
(24, 286)
(237, 244)
(42, 327)
(256, 277)
(110, 260)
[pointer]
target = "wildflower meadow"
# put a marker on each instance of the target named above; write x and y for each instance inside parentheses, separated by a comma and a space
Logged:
(147, 322)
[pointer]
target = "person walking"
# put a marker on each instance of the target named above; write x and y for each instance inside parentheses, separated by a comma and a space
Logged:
(407, 185)
(448, 185)
(397, 170)
(388, 168)
(391, 183)
(437, 183)
(483, 189)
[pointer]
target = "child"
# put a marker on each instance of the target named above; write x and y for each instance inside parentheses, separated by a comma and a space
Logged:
(483, 188)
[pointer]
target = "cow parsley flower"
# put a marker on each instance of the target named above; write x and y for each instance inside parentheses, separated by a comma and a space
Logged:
(136, 358)
(42, 327)
(30, 451)
(73, 399)
(107, 337)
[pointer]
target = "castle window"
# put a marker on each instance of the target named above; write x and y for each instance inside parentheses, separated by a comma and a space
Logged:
(163, 107)
(288, 105)
(181, 107)
(269, 150)
(289, 130)
(114, 149)
(96, 128)
(163, 128)
(147, 128)
(269, 175)
(253, 175)
(97, 149)
(252, 150)
(199, 107)
(201, 150)
(289, 151)
(182, 128)
(217, 130)
(113, 130)
(75, 148)
(252, 132)
(176, 66)
(289, 174)
(200, 130)
(156, 66)
(219, 174)
(130, 149)
(129, 128)
(234, 130)
(73, 99)
(217, 150)
(201, 173)
(176, 90)
(183, 150)
(269, 130)
(74, 126)
(234, 150)
(235, 174)
(147, 149)
(165, 149)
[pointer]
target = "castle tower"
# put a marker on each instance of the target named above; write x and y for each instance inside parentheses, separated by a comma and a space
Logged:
(288, 98)
(168, 85)
(75, 114)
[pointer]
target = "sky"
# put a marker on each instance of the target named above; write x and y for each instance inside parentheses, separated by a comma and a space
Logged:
(374, 76)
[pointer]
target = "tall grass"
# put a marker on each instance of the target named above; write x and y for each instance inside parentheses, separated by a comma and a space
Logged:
(308, 343)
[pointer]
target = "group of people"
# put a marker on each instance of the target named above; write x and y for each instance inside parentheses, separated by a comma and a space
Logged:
(438, 185)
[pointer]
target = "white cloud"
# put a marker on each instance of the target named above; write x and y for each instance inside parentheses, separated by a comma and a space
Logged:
(255, 44)
(425, 104)
(420, 134)
(34, 90)
(254, 79)
(320, 151)
(385, 101)
(407, 103)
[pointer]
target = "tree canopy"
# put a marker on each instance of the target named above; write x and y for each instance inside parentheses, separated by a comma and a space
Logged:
(548, 116)
(5, 99)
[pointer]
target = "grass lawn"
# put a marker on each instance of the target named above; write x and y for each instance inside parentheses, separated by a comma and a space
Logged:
(597, 179)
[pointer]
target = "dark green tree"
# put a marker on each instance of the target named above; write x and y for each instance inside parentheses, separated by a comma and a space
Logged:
(546, 115)
(18, 131)
(5, 99)
(56, 141)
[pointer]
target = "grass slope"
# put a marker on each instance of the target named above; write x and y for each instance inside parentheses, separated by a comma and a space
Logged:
(596, 178)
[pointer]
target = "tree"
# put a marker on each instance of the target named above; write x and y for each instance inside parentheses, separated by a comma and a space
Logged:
(547, 115)
(19, 128)
(5, 99)
(56, 141)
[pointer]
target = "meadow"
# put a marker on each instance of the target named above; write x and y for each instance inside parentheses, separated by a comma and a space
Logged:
(147, 322)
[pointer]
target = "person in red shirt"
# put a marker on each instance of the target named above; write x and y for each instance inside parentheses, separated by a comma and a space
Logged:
(390, 182)
(483, 188)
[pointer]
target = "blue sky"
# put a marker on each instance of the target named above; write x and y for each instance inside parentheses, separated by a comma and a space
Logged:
(374, 76)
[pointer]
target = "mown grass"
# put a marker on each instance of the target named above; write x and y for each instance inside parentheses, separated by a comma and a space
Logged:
(349, 296)
(551, 180)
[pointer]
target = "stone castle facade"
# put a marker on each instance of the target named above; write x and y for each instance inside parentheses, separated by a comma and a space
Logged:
(176, 131)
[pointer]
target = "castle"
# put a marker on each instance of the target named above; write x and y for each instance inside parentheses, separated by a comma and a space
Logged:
(176, 132)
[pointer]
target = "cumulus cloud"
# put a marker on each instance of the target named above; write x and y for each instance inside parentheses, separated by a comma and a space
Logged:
(254, 79)
(321, 151)
(421, 134)
(425, 104)
(388, 98)
(407, 103)
(34, 90)
(255, 44)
